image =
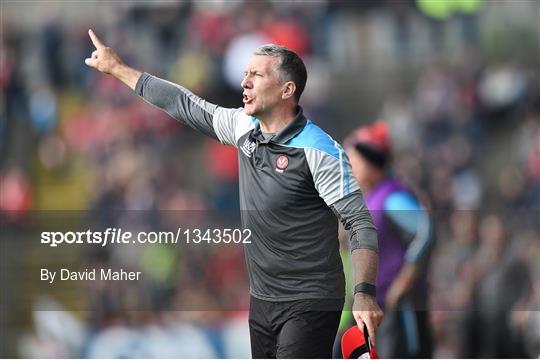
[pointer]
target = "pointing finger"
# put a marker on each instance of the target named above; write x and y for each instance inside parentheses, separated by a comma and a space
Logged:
(95, 40)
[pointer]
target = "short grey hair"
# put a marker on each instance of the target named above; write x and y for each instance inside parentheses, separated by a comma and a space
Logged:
(291, 66)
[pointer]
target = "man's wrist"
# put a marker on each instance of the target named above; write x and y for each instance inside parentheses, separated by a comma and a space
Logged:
(126, 74)
(119, 70)
(365, 288)
(363, 297)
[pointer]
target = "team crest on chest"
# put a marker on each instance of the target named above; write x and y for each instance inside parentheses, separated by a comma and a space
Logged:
(281, 163)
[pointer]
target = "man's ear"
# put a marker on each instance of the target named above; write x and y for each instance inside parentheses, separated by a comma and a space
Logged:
(289, 89)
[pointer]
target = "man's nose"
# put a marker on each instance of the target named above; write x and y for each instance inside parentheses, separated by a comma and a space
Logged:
(246, 83)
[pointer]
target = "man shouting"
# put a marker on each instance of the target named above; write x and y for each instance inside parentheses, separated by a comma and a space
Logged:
(294, 181)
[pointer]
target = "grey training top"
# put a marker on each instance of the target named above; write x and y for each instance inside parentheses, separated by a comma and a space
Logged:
(292, 187)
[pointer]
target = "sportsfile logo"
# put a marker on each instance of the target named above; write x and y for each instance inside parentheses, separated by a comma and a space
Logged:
(248, 147)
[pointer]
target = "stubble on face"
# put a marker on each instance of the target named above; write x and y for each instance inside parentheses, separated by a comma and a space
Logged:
(261, 85)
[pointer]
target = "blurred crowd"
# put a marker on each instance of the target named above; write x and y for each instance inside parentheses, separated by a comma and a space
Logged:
(463, 109)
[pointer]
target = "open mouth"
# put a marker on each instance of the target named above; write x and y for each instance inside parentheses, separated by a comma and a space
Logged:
(246, 99)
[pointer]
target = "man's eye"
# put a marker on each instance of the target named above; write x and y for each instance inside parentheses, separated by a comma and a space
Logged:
(258, 74)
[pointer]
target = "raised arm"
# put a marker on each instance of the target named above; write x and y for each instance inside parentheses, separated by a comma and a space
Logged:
(217, 122)
(104, 59)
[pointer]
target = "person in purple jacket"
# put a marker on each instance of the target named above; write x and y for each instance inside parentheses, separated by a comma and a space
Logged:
(405, 240)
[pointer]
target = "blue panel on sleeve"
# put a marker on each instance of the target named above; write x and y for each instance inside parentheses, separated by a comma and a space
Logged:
(401, 200)
(313, 136)
(403, 209)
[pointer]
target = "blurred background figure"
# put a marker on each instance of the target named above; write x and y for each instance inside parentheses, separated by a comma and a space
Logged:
(405, 241)
(502, 284)
(457, 83)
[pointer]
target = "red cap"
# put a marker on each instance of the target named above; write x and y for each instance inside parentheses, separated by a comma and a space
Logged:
(375, 136)
(355, 345)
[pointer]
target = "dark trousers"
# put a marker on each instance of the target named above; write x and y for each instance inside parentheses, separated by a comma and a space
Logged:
(293, 329)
